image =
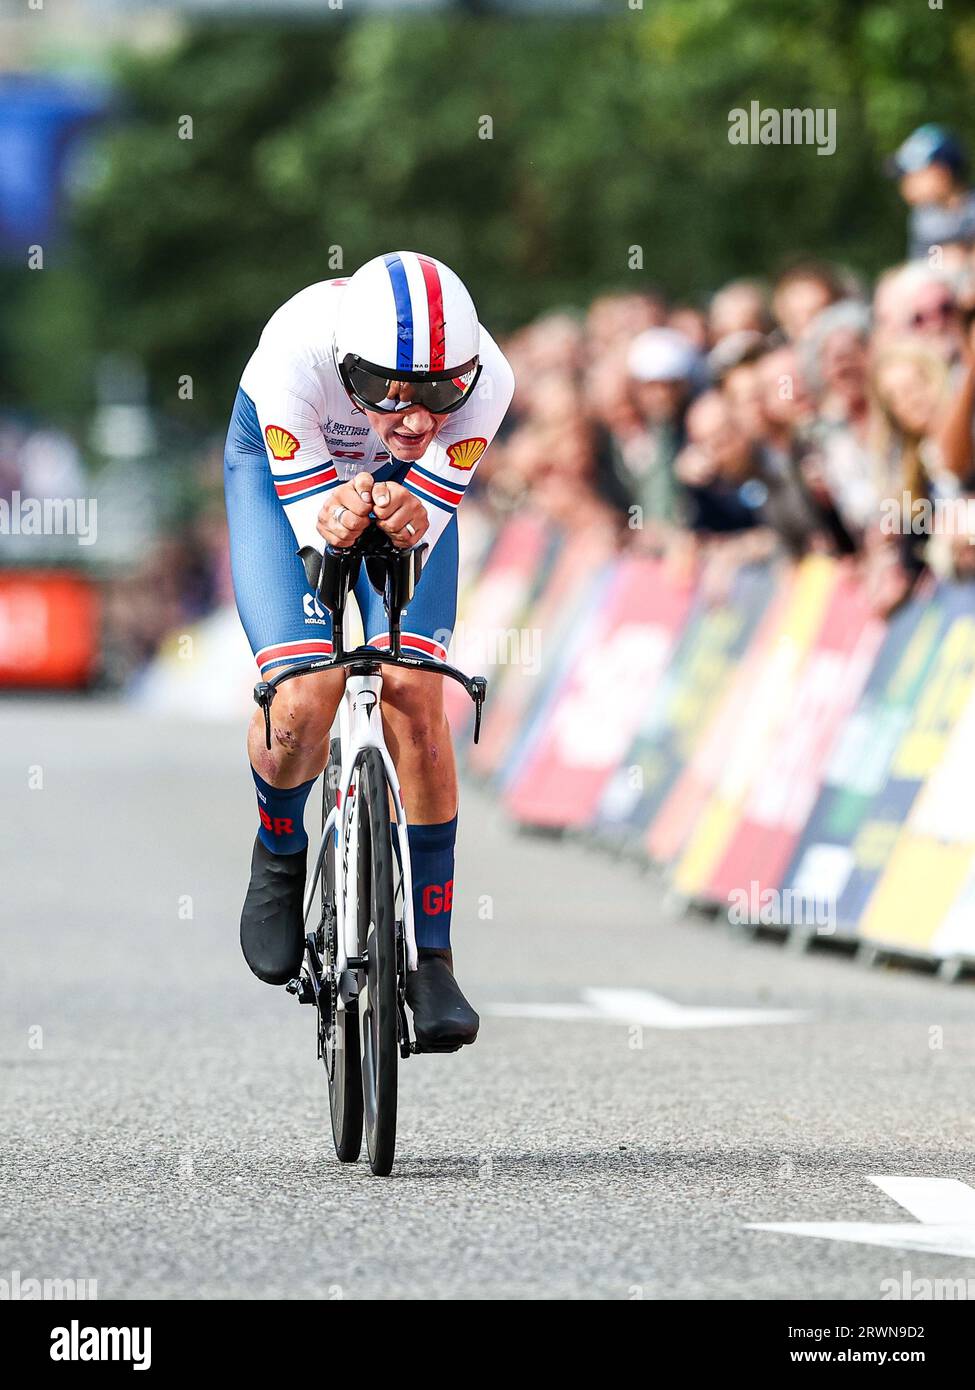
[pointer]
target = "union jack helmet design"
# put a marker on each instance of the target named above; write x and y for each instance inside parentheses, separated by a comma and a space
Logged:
(405, 316)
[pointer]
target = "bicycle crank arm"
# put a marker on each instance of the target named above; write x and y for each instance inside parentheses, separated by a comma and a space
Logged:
(307, 988)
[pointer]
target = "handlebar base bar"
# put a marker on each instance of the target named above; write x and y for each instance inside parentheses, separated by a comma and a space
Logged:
(368, 659)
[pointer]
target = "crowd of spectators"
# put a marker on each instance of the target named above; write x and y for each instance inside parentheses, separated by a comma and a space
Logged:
(811, 412)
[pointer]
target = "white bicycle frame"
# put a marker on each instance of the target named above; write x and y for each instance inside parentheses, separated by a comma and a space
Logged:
(360, 726)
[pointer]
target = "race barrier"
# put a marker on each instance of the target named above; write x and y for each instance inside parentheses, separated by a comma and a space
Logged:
(779, 751)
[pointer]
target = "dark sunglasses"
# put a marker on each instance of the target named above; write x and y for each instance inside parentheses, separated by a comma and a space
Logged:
(441, 393)
(938, 313)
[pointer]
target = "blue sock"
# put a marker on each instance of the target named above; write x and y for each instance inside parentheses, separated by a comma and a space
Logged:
(282, 813)
(432, 859)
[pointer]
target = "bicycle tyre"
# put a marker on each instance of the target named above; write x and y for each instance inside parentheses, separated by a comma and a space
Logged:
(376, 935)
(340, 1050)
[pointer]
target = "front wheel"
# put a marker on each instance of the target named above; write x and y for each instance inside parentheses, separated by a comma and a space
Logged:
(376, 934)
(338, 1023)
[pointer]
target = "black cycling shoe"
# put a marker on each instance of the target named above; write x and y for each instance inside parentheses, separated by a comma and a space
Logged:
(272, 928)
(443, 1020)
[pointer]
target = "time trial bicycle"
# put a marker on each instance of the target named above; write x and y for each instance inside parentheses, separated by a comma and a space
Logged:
(357, 956)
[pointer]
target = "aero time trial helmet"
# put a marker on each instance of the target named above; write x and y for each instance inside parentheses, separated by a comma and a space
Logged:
(405, 317)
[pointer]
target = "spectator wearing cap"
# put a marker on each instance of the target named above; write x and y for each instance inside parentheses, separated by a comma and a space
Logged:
(663, 368)
(931, 168)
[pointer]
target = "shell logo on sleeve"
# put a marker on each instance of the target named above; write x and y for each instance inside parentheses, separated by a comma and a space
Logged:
(281, 442)
(466, 452)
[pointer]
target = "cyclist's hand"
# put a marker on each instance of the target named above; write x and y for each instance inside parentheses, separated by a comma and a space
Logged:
(356, 499)
(693, 467)
(396, 508)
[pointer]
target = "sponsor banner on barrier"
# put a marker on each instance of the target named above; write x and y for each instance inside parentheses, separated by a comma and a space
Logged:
(48, 628)
(751, 719)
(549, 621)
(562, 660)
(786, 781)
(590, 721)
(923, 895)
(850, 832)
(489, 635)
(671, 827)
(678, 711)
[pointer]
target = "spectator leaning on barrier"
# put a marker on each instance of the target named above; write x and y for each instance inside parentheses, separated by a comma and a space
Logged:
(719, 470)
(930, 166)
(736, 482)
(733, 367)
(834, 356)
(663, 369)
(909, 390)
(769, 403)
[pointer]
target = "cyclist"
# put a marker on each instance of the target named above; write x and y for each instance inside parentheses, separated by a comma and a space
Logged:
(372, 397)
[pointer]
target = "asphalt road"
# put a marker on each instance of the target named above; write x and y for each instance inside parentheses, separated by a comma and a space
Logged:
(164, 1120)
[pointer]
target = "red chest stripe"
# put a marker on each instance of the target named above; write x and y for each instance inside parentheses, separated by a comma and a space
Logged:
(446, 494)
(327, 475)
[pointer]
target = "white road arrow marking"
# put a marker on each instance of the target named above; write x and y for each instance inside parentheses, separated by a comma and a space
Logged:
(944, 1209)
(651, 1010)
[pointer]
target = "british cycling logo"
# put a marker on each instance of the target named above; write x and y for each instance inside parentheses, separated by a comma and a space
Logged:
(77, 1343)
(337, 427)
(50, 516)
(281, 442)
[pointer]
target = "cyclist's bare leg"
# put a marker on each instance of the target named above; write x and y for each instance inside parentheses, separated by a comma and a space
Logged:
(418, 738)
(301, 716)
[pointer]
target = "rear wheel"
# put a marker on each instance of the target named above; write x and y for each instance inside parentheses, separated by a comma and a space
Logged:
(338, 1022)
(376, 933)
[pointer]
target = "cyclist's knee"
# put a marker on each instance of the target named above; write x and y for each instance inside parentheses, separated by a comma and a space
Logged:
(303, 710)
(414, 699)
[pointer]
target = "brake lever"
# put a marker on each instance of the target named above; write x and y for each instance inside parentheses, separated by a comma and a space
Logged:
(264, 693)
(477, 689)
